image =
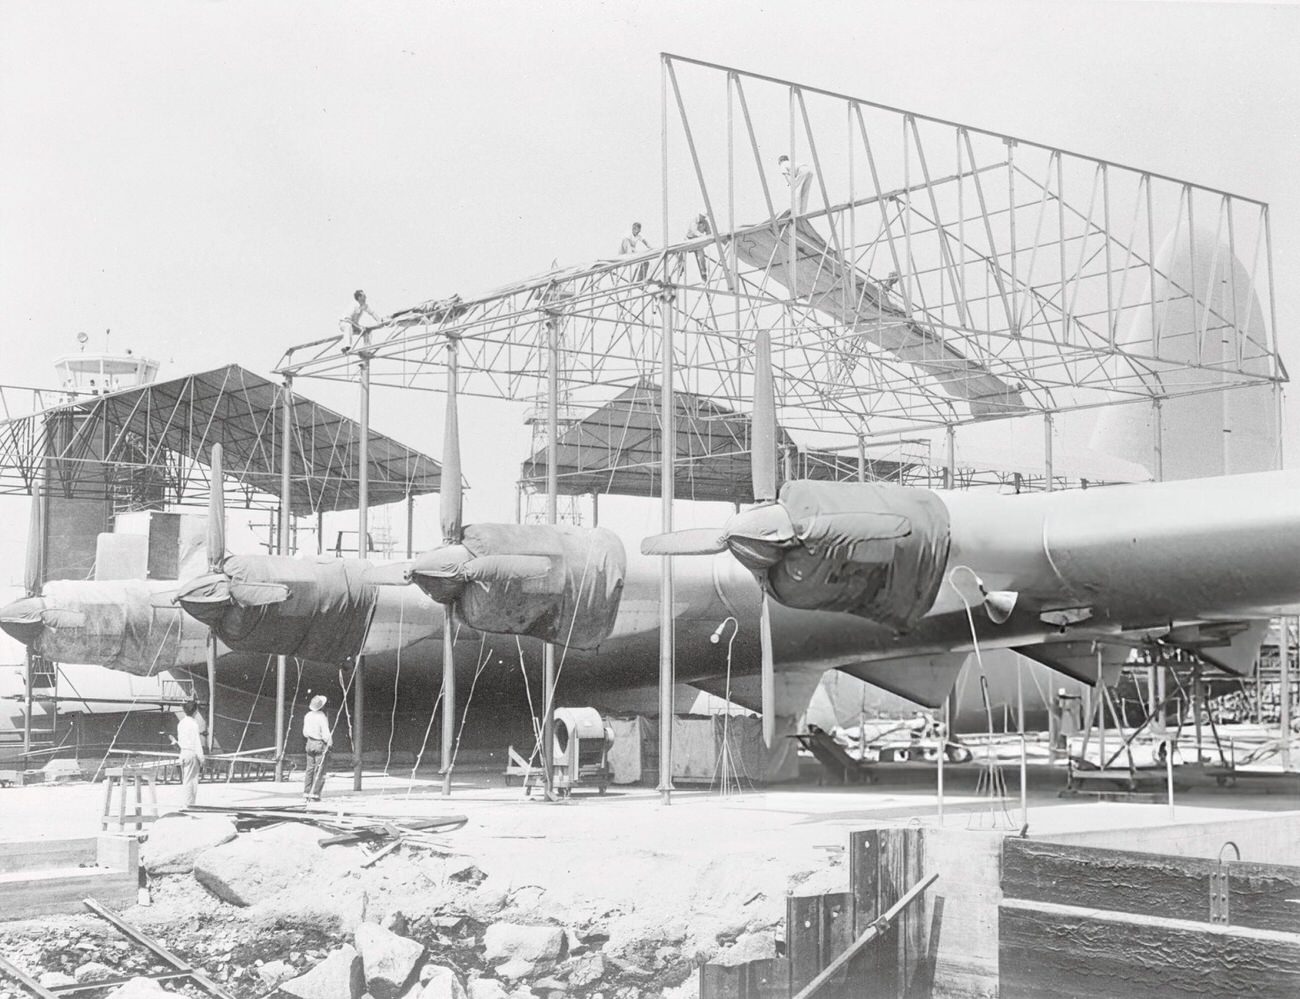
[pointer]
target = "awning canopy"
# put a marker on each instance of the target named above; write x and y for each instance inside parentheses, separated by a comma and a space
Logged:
(618, 449)
(153, 444)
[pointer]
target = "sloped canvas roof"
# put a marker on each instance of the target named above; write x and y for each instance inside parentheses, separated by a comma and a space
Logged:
(618, 447)
(159, 437)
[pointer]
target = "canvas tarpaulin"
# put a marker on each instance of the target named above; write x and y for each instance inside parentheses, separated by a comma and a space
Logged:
(868, 548)
(571, 599)
(324, 617)
(128, 625)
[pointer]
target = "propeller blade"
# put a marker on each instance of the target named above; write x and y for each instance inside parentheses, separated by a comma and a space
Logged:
(768, 675)
(694, 541)
(163, 599)
(216, 512)
(389, 574)
(450, 502)
(34, 571)
(249, 594)
(763, 431)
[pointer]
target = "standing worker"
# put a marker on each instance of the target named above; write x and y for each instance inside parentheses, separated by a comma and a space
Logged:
(799, 177)
(190, 745)
(698, 230)
(316, 733)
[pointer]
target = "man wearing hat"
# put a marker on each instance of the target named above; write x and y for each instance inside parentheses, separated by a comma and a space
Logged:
(316, 733)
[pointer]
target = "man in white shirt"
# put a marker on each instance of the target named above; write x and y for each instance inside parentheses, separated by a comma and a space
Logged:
(190, 744)
(799, 177)
(355, 329)
(316, 733)
(633, 245)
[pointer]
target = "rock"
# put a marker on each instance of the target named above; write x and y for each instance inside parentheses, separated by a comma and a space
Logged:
(486, 988)
(586, 969)
(748, 947)
(55, 980)
(510, 941)
(388, 960)
(548, 985)
(175, 840)
(140, 988)
(261, 864)
(339, 976)
(273, 973)
(443, 984)
(515, 969)
(93, 971)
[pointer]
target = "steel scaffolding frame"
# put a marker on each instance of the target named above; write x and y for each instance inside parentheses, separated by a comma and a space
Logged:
(1020, 270)
(974, 321)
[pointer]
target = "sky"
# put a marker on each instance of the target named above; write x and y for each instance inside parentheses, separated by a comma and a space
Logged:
(211, 180)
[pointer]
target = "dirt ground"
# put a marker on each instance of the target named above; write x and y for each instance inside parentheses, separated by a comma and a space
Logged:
(656, 888)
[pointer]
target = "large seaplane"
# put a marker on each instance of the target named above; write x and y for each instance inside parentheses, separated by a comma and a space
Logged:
(893, 584)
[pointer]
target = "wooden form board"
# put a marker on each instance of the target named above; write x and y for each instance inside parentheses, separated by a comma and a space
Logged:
(1263, 896)
(45, 877)
(1089, 922)
(1064, 952)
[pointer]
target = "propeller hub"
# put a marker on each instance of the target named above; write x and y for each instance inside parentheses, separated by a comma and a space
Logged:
(22, 619)
(760, 537)
(441, 572)
(206, 597)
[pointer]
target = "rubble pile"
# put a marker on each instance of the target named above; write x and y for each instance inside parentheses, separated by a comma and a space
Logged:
(272, 912)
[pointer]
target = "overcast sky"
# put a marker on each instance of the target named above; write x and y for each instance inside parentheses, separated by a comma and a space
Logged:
(211, 180)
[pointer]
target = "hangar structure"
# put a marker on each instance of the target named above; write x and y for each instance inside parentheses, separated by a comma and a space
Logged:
(918, 278)
(94, 450)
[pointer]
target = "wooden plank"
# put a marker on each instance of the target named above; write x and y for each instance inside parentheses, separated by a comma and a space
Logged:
(864, 877)
(766, 978)
(1149, 884)
(45, 854)
(54, 894)
(864, 883)
(803, 930)
(1051, 951)
(912, 920)
(888, 949)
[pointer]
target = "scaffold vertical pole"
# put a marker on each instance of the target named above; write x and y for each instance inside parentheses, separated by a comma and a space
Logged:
(286, 504)
(1047, 451)
(363, 548)
(950, 461)
(1284, 687)
(450, 499)
(668, 414)
(552, 516)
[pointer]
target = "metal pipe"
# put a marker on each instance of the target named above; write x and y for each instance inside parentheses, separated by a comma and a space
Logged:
(552, 516)
(286, 504)
(667, 473)
(1047, 451)
(448, 618)
(1284, 690)
(363, 547)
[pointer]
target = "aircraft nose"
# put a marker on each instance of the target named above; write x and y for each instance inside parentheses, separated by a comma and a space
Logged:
(22, 619)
